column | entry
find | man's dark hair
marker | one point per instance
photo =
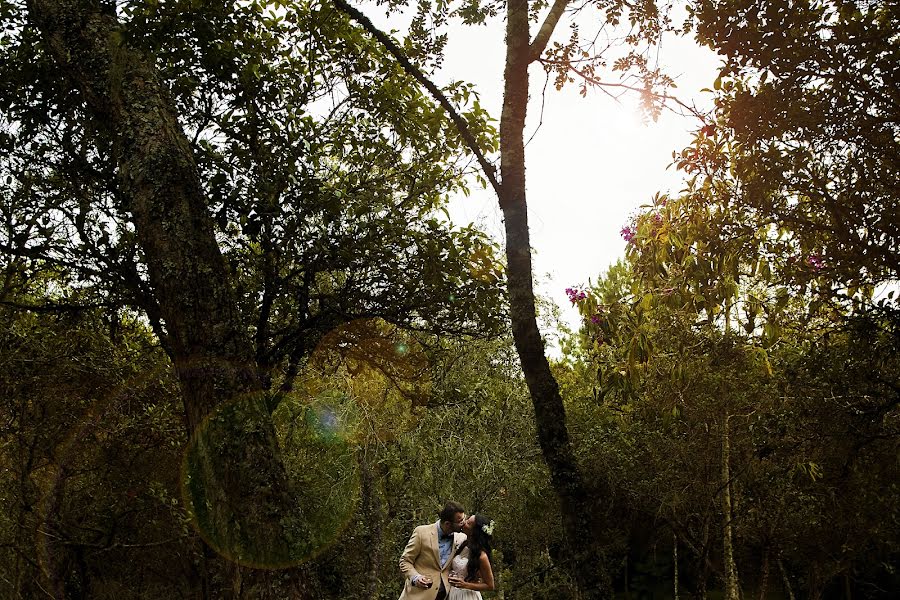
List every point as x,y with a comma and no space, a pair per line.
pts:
450,510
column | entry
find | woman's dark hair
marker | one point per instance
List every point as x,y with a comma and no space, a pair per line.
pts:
450,511
479,541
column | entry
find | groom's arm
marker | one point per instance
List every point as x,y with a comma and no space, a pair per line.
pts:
409,556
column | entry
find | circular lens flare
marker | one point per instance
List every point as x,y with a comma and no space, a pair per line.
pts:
380,367
269,491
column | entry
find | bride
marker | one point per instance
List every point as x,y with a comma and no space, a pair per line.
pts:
470,570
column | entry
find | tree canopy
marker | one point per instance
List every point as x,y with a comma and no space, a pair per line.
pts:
245,351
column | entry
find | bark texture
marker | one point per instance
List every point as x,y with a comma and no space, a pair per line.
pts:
578,505
238,485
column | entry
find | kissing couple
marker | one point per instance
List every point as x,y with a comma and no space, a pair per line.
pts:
449,559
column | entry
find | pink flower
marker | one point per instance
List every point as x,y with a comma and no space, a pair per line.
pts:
628,232
815,261
575,295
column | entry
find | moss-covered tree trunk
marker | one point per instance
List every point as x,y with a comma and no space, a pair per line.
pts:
238,484
581,519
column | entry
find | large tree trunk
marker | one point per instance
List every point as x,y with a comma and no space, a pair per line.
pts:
580,516
238,485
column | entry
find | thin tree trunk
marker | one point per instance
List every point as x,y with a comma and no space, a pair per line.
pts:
579,514
204,591
237,582
814,582
675,562
704,566
235,476
764,575
732,587
371,509
785,580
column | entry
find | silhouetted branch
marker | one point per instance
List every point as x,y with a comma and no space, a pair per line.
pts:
458,120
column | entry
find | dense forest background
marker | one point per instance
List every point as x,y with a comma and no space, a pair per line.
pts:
243,352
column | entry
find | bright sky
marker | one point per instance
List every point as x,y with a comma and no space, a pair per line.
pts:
592,163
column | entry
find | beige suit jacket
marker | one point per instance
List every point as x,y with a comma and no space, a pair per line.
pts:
422,557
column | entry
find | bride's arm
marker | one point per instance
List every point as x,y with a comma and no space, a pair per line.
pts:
487,574
487,577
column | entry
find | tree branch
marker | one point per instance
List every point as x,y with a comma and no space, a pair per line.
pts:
51,307
663,98
536,48
416,73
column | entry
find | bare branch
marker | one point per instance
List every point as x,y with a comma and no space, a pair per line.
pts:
543,105
536,48
605,85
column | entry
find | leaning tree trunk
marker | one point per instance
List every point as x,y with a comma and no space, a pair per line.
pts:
580,519
785,580
238,486
579,514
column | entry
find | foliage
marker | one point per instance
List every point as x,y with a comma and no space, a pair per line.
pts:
748,312
799,160
323,173
91,432
324,169
734,384
464,432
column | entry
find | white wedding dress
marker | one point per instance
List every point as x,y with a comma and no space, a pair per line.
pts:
459,568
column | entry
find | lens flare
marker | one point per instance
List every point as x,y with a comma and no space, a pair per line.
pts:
265,512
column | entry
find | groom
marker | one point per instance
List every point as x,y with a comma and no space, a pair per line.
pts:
425,563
